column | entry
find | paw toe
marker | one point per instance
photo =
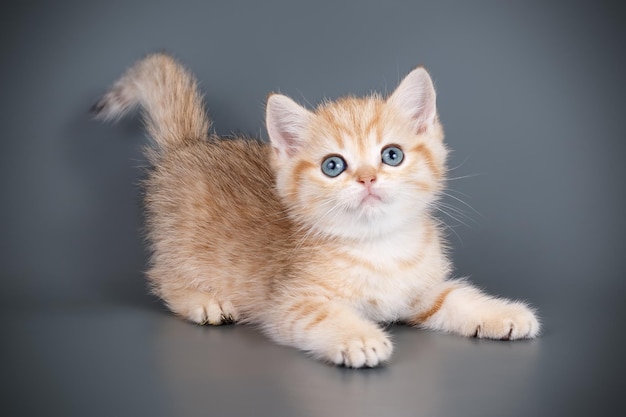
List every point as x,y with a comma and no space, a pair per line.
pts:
360,353
203,308
516,322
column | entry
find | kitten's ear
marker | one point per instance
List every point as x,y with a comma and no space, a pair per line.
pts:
415,97
286,122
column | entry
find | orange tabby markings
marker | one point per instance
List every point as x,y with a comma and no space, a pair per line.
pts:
428,157
404,264
353,260
374,126
423,185
256,232
319,317
298,171
373,302
434,309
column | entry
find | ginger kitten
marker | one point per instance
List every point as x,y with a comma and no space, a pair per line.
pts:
319,236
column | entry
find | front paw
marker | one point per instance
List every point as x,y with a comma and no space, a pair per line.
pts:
357,351
506,321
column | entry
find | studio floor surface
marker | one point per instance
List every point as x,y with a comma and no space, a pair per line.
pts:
100,359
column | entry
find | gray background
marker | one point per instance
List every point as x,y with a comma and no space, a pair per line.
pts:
531,96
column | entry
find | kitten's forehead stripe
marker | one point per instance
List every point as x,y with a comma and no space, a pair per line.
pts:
358,120
374,127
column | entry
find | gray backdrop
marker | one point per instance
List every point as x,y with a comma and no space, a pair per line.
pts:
531,97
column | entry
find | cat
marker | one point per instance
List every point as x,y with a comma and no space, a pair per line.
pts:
319,236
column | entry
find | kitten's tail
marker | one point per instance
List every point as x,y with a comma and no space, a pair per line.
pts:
173,110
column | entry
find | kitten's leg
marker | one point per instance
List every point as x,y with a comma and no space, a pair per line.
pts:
457,307
200,306
330,331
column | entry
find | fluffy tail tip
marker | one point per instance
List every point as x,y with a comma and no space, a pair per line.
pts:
97,109
115,103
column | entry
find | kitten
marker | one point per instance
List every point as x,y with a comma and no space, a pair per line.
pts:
317,237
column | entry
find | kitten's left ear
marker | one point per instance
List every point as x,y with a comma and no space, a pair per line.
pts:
286,123
415,97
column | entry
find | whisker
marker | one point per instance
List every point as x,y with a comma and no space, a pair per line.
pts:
452,216
461,164
458,212
458,192
466,176
462,202
448,227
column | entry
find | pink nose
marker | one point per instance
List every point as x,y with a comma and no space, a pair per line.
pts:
367,179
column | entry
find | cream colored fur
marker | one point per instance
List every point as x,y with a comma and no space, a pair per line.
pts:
245,231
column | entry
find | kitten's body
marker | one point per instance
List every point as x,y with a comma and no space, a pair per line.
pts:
247,231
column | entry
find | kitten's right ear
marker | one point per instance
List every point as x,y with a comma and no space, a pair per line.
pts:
286,122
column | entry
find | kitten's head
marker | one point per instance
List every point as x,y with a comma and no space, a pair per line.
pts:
359,167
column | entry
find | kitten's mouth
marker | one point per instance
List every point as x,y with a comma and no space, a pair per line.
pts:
370,199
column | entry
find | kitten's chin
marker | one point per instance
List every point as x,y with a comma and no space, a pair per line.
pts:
370,223
370,200
369,208
373,217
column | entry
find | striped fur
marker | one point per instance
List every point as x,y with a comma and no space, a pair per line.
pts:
246,231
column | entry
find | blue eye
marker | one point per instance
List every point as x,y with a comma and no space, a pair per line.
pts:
333,166
392,155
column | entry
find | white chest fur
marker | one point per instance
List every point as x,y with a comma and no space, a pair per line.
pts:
382,277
